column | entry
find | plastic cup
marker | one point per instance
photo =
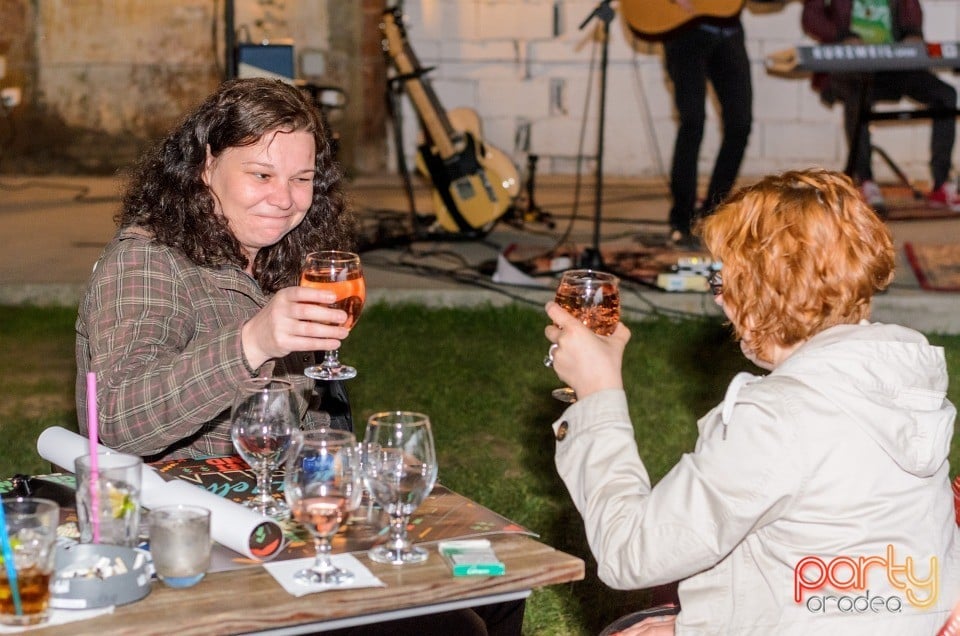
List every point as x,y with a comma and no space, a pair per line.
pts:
180,544
116,498
31,525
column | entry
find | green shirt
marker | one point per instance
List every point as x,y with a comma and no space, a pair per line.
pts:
871,21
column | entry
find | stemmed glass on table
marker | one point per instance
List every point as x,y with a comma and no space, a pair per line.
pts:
341,273
264,418
323,485
399,469
594,299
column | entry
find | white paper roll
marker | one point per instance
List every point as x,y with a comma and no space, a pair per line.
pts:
231,524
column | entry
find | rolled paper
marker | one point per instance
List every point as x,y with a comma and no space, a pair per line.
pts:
231,524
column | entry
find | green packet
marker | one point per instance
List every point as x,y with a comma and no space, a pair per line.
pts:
471,557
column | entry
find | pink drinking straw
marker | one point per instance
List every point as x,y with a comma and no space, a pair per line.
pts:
92,425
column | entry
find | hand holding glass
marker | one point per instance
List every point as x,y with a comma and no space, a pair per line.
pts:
323,485
264,418
399,468
341,273
594,299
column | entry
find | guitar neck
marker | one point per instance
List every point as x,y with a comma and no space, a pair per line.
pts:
433,118
425,101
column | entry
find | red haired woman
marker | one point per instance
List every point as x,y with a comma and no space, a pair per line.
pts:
818,498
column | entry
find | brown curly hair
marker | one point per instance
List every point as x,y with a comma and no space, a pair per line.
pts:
167,196
801,252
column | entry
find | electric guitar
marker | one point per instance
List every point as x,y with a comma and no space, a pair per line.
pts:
474,183
653,19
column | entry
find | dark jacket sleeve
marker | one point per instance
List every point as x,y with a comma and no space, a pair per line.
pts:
333,400
827,21
909,19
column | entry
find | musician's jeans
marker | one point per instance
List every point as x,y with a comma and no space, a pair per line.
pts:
694,57
921,86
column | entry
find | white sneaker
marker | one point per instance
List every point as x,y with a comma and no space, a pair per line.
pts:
871,193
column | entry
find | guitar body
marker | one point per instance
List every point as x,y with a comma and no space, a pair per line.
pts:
652,19
475,186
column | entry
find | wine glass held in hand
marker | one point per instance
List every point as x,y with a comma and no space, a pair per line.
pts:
594,299
323,485
399,469
264,418
341,273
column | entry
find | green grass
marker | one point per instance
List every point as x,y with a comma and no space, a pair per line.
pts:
478,374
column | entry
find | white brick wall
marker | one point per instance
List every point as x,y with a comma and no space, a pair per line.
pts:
503,58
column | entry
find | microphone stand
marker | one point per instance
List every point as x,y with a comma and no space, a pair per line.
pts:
604,12
229,41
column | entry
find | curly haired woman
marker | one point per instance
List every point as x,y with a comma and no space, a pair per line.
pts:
198,289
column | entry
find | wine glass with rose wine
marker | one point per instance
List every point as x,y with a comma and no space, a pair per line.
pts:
323,485
264,418
594,299
341,273
399,465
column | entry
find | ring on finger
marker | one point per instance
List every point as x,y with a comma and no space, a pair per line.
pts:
548,360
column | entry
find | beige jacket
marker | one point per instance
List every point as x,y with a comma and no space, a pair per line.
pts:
837,458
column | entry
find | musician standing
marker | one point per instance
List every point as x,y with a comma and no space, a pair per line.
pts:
707,49
883,22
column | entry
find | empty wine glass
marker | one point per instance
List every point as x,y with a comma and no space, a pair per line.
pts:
594,299
341,273
399,468
323,485
264,418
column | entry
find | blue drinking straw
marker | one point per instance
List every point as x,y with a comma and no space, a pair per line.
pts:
8,562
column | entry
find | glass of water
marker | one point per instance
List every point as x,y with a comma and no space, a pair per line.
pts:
180,544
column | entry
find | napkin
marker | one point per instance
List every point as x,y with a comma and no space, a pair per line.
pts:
60,617
283,572
231,524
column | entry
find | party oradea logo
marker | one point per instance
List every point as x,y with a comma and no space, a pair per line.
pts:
841,585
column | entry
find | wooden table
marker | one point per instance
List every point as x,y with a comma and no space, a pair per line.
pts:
249,600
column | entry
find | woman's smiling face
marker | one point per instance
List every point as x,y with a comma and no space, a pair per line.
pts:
265,189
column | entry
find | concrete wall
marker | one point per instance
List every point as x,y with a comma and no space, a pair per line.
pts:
525,66
101,78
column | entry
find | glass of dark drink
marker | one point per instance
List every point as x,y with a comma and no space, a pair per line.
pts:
341,273
594,299
28,546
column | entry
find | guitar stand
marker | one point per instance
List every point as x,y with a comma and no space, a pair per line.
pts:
529,211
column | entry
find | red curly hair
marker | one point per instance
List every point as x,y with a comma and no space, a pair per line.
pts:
801,252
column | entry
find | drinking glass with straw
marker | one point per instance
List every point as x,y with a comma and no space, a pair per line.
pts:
28,534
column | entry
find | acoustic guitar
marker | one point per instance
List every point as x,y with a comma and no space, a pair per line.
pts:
474,183
652,19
